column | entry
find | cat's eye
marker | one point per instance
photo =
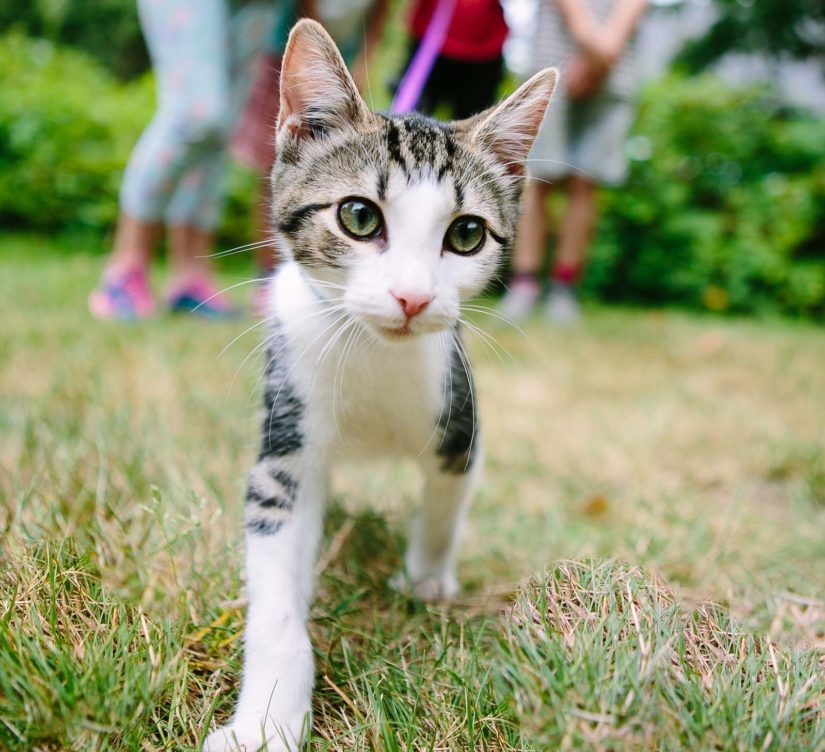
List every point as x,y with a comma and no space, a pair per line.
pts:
465,235
360,218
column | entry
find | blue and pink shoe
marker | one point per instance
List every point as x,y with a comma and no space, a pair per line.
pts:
126,296
202,298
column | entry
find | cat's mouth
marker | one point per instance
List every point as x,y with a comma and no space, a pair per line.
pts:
409,330
397,332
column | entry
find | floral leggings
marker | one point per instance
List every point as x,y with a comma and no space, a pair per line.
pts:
202,60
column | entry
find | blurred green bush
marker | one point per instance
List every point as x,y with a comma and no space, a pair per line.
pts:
65,135
725,205
108,30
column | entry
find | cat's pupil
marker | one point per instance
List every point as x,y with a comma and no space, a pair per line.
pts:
362,215
467,231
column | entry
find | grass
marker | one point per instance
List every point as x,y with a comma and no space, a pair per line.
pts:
644,568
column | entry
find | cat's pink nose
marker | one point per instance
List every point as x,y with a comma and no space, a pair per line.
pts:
412,302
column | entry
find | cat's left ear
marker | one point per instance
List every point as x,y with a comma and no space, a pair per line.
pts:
509,128
318,94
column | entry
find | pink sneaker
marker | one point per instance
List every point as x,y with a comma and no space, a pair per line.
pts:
125,296
202,298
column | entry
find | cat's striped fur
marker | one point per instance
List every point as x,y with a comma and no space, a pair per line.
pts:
387,223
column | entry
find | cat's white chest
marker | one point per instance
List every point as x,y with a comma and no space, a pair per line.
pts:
389,400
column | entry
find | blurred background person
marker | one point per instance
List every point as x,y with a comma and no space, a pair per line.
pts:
466,74
581,142
174,177
356,26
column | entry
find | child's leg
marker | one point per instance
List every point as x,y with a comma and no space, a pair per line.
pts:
546,164
135,240
531,241
528,253
575,237
188,43
193,211
189,250
577,228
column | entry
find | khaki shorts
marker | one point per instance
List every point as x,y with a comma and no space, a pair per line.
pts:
583,137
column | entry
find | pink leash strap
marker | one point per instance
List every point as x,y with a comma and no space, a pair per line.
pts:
415,78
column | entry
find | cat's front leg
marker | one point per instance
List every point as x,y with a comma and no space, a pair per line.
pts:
432,553
284,510
283,519
450,476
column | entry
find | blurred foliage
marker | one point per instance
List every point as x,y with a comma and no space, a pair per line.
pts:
65,135
108,30
725,205
772,27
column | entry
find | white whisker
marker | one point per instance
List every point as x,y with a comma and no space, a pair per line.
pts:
240,249
227,289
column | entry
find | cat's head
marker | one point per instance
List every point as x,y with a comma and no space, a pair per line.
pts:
398,218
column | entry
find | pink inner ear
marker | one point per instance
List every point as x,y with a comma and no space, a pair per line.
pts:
298,59
516,166
316,89
512,148
292,125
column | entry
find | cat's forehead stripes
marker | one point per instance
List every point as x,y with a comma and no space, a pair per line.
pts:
423,147
418,145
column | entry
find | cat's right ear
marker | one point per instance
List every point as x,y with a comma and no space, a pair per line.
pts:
318,94
509,128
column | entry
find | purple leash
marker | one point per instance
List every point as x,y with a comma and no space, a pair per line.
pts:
414,80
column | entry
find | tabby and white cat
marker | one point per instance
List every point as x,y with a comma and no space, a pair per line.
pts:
387,223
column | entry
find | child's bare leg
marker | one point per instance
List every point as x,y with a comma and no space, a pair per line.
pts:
571,254
528,253
578,224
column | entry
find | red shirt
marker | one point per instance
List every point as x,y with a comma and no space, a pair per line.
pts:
477,29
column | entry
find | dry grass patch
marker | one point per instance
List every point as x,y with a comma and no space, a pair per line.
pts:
603,655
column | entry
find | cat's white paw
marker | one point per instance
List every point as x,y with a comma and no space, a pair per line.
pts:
441,587
248,735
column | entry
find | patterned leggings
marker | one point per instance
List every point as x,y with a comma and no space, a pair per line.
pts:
202,59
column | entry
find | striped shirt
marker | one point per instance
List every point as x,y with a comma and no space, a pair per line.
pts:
553,45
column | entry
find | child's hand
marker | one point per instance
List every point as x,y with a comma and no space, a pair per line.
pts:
604,47
584,76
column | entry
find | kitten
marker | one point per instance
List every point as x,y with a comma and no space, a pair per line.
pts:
387,223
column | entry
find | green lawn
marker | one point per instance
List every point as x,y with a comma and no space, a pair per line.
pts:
644,567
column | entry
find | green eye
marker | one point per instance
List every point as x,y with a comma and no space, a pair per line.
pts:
360,218
465,235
